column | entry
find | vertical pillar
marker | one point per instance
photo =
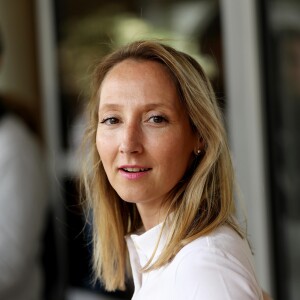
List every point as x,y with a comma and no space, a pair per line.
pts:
246,127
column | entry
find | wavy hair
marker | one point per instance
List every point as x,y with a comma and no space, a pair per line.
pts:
199,203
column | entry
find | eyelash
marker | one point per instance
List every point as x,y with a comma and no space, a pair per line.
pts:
157,119
106,121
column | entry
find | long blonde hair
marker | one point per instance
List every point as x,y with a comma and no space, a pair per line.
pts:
199,203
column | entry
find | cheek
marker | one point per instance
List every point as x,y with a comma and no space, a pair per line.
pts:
106,148
98,144
104,157
101,148
175,153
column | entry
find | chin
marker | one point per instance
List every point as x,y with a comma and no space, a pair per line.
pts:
131,196
130,199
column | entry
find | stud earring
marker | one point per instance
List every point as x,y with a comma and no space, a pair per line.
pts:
197,152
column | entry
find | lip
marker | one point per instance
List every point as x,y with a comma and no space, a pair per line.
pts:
134,175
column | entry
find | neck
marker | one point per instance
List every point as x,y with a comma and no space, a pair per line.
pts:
151,216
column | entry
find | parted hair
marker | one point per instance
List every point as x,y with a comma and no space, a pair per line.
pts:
199,203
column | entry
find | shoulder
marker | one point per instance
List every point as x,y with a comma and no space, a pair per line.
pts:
218,264
22,165
17,142
12,127
224,242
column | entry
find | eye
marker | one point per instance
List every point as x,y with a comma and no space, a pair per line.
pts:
157,119
110,121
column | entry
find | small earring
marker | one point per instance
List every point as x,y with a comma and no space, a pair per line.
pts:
198,152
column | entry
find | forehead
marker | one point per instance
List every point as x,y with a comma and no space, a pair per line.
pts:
135,67
138,79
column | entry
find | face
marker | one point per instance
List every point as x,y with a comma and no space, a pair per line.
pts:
144,137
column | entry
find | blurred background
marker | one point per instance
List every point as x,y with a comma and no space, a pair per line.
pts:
251,52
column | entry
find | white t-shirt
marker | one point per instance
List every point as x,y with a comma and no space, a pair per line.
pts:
23,202
215,267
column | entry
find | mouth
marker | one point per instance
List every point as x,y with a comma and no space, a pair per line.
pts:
135,170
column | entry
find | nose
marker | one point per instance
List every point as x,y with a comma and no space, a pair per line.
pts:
131,139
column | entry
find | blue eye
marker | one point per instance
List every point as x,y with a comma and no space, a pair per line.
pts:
110,121
157,119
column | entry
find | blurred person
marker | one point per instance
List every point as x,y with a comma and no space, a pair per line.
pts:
158,171
22,204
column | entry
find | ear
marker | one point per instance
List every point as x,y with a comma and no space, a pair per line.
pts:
199,146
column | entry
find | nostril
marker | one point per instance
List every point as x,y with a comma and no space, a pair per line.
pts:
132,147
127,150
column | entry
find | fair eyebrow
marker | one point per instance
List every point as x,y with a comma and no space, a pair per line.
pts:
149,106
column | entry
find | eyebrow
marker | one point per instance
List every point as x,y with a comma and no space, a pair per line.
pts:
112,106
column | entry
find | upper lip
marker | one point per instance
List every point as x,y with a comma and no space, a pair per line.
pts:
133,167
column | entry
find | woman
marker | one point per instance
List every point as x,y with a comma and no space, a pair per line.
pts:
158,171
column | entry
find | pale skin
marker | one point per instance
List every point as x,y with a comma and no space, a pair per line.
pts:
144,137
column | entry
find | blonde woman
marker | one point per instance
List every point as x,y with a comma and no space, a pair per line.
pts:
159,180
